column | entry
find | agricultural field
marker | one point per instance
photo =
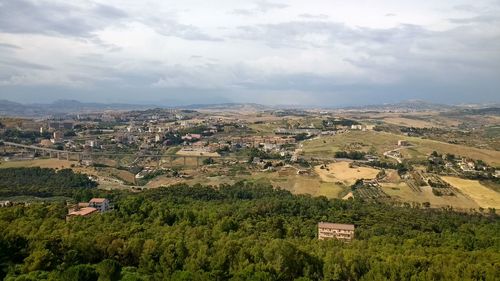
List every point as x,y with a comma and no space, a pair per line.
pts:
402,121
266,128
286,178
403,193
43,163
342,172
480,194
382,141
197,153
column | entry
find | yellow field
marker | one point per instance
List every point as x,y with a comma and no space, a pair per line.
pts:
482,195
314,187
402,192
341,172
409,122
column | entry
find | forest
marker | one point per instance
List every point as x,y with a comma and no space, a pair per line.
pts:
42,182
244,231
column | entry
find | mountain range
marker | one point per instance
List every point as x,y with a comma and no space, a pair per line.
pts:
9,108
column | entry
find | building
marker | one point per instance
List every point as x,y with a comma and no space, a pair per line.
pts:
158,138
81,212
344,232
191,137
58,125
58,136
92,143
356,127
403,143
101,204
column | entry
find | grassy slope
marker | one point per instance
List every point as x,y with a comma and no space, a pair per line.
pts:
382,141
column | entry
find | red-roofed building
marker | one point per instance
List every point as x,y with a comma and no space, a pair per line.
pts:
81,212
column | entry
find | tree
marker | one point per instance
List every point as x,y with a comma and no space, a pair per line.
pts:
208,161
81,272
109,270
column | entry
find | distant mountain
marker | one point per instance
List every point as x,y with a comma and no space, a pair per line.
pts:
229,107
474,111
8,108
409,105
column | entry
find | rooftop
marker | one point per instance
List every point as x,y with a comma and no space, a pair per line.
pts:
98,200
83,211
336,225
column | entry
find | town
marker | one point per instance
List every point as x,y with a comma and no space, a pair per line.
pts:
337,154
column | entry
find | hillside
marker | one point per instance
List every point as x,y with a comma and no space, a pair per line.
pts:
244,232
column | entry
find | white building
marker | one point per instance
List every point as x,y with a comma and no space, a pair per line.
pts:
101,204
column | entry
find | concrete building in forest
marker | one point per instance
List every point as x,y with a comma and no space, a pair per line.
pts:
101,204
344,232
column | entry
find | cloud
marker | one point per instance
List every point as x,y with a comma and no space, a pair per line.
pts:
83,21
170,27
280,51
9,46
317,17
476,19
15,63
260,7
49,18
303,34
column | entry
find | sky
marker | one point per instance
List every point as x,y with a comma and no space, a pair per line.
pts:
315,52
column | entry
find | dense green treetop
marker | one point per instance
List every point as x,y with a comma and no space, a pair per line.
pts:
245,232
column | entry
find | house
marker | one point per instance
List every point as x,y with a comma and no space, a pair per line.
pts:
356,127
403,143
371,158
91,143
344,232
58,136
81,212
191,137
101,204
158,138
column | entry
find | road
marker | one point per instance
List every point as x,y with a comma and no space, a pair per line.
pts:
387,153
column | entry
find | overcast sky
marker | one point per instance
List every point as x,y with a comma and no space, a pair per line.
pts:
271,52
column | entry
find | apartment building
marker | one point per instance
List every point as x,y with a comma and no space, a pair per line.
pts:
344,232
